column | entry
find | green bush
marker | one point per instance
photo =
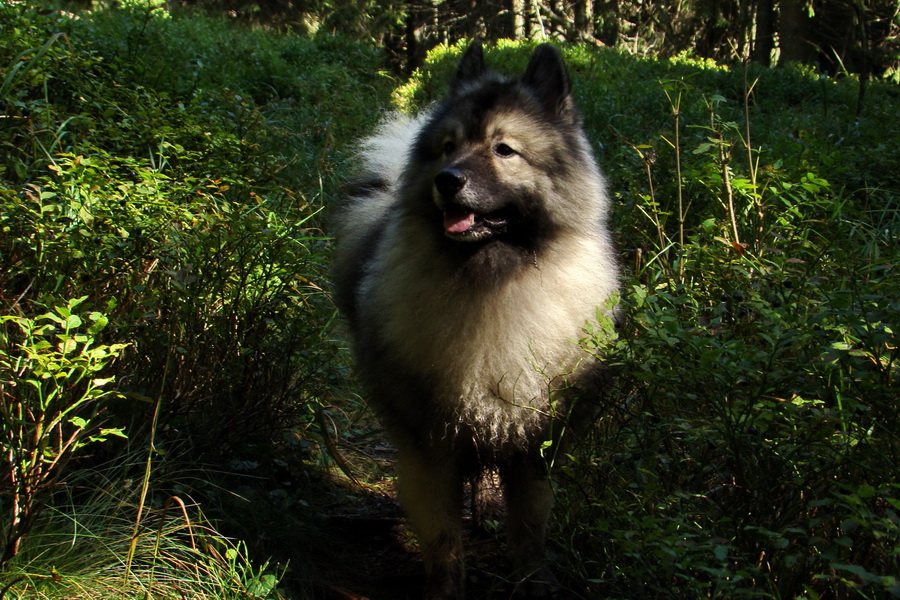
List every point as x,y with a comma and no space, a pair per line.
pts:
169,173
754,452
150,169
53,398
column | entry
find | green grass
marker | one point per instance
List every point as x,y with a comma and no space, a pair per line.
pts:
172,171
97,544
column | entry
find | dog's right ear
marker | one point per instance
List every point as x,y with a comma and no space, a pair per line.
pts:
471,66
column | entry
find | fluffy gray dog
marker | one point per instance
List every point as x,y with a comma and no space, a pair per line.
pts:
470,256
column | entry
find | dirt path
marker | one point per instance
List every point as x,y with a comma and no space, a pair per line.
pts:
363,549
379,561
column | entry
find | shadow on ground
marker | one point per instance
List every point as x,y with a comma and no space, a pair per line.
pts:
337,538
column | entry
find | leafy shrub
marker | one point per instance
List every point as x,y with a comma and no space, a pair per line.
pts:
150,170
180,195
306,90
52,403
759,371
751,435
198,282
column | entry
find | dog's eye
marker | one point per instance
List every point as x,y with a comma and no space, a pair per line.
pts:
503,150
448,147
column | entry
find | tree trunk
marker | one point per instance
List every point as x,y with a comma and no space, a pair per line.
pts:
795,31
765,33
518,17
584,19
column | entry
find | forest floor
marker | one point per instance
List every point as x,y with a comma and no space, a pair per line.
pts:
363,549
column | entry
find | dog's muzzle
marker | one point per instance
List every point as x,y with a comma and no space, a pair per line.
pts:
464,223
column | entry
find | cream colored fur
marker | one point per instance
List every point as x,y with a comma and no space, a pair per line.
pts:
495,357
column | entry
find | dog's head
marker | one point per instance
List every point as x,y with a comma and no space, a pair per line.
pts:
499,151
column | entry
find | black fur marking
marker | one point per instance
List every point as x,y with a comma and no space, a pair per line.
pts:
366,186
515,246
547,78
348,274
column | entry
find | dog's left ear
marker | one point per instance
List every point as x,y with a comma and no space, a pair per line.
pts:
547,78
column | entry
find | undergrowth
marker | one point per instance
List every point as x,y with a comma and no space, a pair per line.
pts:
91,547
749,447
161,186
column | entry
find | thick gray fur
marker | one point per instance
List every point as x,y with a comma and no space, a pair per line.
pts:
466,340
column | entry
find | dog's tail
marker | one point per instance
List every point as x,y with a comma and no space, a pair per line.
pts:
359,222
384,154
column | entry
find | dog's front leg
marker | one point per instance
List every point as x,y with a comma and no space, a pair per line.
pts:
430,490
529,501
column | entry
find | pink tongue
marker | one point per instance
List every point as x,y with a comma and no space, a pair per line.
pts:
458,223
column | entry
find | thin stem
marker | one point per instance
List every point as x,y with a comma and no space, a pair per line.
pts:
752,162
726,177
145,486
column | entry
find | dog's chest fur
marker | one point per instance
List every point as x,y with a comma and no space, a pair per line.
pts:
495,353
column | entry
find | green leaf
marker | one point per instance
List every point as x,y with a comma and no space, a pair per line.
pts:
721,552
857,570
865,491
99,322
52,317
116,431
85,215
263,585
68,345
72,303
105,433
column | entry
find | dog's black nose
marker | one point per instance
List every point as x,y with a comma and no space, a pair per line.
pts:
449,181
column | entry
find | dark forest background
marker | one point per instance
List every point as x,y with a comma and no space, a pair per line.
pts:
856,36
178,414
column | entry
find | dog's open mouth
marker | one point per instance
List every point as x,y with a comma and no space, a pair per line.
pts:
463,225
